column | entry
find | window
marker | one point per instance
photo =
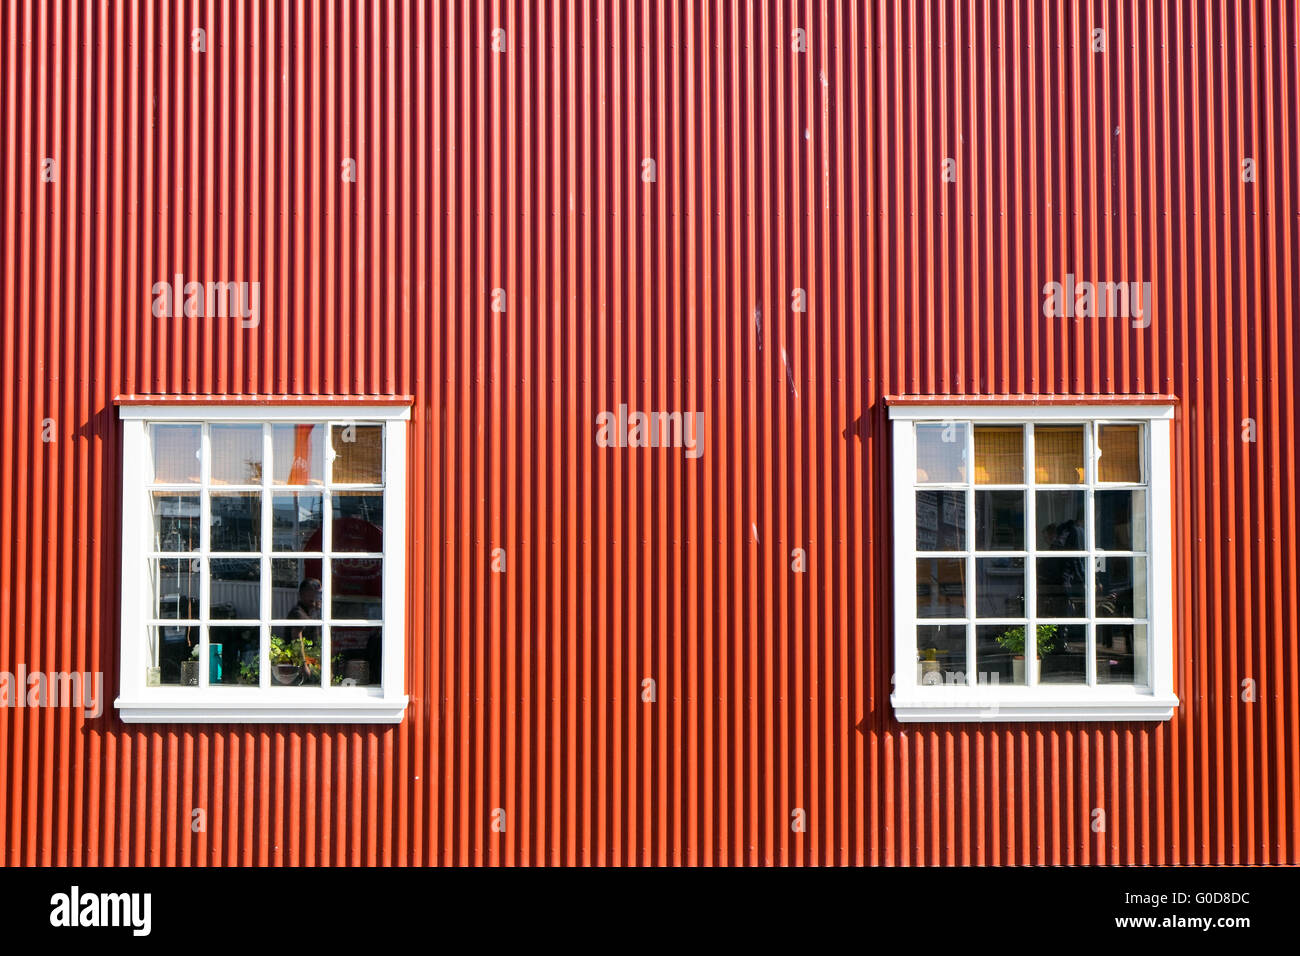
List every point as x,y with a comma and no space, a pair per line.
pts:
1032,562
263,563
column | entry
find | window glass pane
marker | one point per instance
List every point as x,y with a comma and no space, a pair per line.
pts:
1121,520
357,588
940,587
1120,447
358,521
999,455
358,454
295,655
1061,584
941,452
357,653
1121,587
1058,454
236,521
170,646
176,454
175,522
298,454
999,520
236,589
999,587
176,588
232,655
999,653
1122,654
236,454
296,521
940,520
941,654
1063,653
1059,516
296,588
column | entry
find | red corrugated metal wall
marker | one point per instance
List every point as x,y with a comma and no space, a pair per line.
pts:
523,170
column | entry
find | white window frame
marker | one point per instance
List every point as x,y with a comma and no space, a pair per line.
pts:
983,702
140,703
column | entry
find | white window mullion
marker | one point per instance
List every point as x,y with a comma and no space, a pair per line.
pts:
264,630
1091,452
326,561
205,540
969,544
1031,559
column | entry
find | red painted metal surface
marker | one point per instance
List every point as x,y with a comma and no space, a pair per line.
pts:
521,170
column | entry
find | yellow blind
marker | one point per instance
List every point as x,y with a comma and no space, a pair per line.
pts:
1058,454
999,455
1120,453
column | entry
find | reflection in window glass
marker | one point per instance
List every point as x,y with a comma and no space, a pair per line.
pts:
296,521
941,452
176,588
1121,586
358,522
940,587
1058,454
295,588
1000,587
1063,654
999,654
236,589
298,454
357,588
1121,520
999,455
1062,587
940,520
236,454
175,522
999,520
1060,517
176,454
1122,654
941,654
236,521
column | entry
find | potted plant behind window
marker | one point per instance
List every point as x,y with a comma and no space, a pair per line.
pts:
1012,640
930,672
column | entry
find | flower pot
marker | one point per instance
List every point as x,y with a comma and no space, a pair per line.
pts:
1018,669
189,673
285,674
358,672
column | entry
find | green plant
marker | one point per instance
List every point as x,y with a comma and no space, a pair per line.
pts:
1012,640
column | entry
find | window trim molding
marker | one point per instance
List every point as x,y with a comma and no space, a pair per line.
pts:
983,703
137,703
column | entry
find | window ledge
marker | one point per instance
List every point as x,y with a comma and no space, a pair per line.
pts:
372,710
979,708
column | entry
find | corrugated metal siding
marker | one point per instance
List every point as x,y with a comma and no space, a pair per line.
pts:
521,171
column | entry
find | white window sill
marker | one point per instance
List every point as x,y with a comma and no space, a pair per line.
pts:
171,709
977,705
